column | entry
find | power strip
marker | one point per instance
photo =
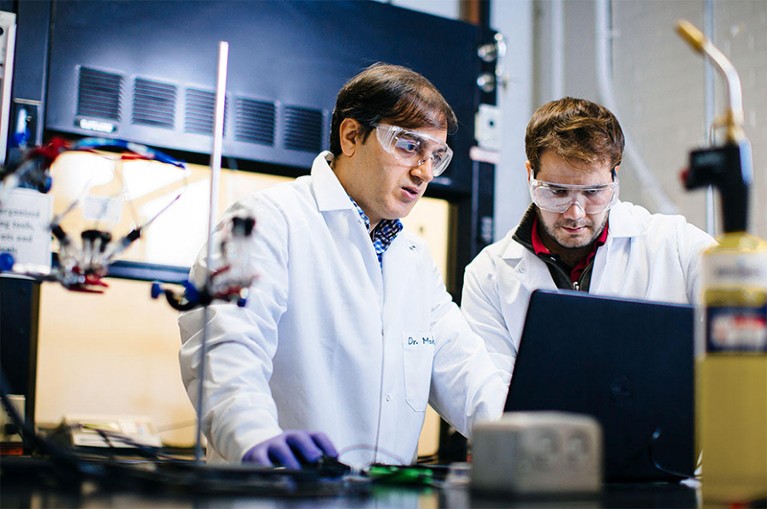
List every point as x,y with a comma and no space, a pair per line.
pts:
538,453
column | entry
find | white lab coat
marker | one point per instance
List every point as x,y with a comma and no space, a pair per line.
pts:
330,341
646,256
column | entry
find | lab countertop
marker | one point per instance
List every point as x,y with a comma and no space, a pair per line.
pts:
31,482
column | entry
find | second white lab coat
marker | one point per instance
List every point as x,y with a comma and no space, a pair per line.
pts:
330,341
646,256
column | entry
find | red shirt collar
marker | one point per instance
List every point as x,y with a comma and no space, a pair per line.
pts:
538,246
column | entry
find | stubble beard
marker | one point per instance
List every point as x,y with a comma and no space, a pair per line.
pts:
565,241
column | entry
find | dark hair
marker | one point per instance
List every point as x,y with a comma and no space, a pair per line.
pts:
577,130
392,94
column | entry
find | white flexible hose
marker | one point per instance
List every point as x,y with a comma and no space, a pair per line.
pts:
649,183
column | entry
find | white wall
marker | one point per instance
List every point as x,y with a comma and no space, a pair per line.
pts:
655,84
660,90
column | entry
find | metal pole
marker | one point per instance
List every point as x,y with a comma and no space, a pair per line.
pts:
709,100
215,175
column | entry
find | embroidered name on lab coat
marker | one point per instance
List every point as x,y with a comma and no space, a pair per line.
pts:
416,341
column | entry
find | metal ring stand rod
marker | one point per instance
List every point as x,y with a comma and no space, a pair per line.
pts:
215,175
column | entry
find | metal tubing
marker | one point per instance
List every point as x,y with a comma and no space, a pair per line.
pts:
215,174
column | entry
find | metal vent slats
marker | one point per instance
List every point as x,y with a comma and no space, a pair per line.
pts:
99,94
303,129
154,103
200,108
255,121
189,110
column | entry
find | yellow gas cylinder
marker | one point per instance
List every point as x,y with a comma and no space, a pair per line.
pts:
731,372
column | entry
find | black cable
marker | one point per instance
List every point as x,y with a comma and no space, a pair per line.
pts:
164,471
67,463
677,476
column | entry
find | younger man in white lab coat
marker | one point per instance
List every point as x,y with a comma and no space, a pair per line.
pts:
348,332
576,234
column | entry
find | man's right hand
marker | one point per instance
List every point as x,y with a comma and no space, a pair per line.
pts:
291,449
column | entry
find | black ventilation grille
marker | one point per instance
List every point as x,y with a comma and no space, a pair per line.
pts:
98,94
154,103
255,121
200,108
303,129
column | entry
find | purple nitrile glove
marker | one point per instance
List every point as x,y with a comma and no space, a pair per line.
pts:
290,449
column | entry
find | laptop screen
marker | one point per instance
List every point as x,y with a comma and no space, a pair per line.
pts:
628,363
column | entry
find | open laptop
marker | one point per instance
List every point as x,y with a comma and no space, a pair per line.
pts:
628,363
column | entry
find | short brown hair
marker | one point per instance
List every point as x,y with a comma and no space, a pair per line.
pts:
577,130
392,94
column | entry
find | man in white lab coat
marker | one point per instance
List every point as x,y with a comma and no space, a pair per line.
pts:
348,332
576,234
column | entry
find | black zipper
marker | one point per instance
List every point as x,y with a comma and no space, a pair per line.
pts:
572,285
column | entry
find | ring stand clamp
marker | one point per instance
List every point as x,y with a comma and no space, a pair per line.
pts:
82,264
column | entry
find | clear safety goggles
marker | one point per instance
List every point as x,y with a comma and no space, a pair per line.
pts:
413,148
560,197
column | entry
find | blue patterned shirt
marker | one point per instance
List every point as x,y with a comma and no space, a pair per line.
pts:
383,234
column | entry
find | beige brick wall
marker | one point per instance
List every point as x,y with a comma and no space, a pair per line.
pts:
660,85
